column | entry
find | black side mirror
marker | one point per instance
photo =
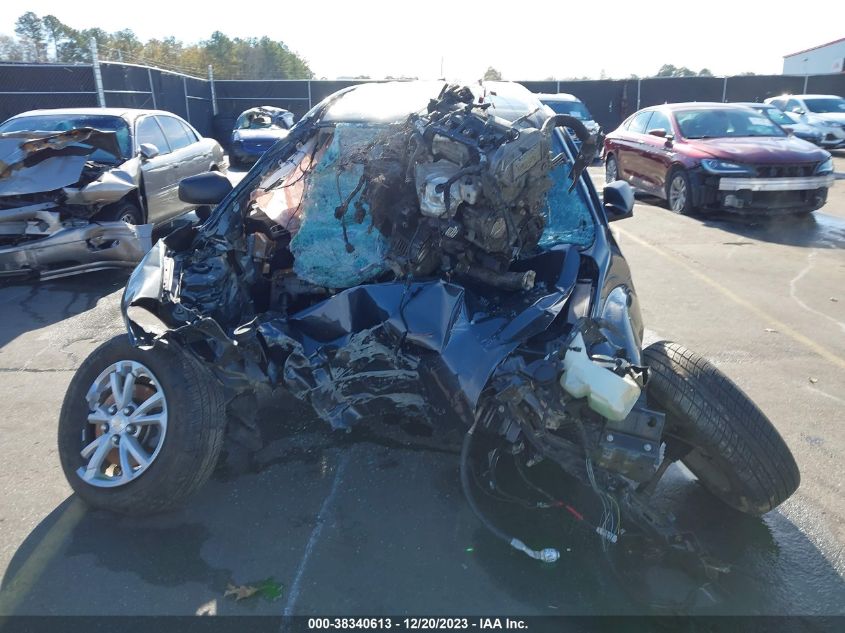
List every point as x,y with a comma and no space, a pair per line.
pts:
658,132
618,201
207,188
148,151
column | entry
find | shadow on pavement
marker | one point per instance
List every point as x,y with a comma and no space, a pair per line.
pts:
33,305
398,538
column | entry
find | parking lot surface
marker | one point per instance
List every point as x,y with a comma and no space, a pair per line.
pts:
374,522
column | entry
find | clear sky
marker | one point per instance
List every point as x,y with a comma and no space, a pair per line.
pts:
524,40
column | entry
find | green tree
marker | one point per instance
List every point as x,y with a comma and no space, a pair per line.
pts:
10,49
670,70
705,72
491,74
30,30
43,39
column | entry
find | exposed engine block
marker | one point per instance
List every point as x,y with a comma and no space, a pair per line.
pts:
458,190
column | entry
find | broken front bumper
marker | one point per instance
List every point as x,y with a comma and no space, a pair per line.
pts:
771,195
77,249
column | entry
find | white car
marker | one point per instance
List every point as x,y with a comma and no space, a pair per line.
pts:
825,112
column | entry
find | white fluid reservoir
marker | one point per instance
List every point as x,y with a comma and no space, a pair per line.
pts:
607,394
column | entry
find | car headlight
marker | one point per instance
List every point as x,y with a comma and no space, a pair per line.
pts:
825,167
715,166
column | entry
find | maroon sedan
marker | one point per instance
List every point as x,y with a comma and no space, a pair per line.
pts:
720,156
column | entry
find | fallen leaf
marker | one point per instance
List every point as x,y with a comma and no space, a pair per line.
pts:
834,299
267,588
240,592
813,380
270,589
770,330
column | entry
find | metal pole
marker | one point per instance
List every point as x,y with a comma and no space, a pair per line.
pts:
213,91
187,104
98,77
309,95
558,87
806,77
724,90
152,87
639,81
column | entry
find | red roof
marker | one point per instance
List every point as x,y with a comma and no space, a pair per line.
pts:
807,50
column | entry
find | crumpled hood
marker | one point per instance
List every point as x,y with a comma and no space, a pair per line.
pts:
258,135
32,162
765,149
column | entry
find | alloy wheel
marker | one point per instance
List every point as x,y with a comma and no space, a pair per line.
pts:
678,193
611,171
126,425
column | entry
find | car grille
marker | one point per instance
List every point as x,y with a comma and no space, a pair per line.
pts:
785,171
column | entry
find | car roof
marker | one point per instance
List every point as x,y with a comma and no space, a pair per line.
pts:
806,97
392,101
130,114
695,105
754,104
559,96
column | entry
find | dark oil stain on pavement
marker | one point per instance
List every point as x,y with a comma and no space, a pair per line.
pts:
160,554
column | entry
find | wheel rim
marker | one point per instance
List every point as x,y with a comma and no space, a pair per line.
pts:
610,170
678,193
126,425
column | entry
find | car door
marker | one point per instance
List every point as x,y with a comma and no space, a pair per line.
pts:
159,172
630,152
186,155
198,157
656,152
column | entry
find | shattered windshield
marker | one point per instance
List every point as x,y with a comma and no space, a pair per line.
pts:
258,121
63,122
340,235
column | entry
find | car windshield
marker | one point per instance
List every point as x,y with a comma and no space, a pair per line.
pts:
258,120
725,123
826,105
778,116
572,108
58,122
303,193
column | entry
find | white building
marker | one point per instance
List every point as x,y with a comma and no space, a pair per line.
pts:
819,60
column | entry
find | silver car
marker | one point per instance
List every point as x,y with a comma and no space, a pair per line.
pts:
824,112
81,189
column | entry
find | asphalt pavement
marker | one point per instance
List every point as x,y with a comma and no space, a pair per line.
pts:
374,522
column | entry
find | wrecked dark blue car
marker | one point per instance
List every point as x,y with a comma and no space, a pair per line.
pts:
426,252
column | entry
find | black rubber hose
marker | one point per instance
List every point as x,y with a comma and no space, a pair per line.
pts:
467,488
565,120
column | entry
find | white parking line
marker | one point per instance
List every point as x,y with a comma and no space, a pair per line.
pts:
322,518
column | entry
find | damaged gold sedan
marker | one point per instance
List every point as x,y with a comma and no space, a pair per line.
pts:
81,189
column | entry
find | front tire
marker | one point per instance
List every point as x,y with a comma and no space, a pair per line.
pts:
611,169
139,431
122,211
737,454
679,192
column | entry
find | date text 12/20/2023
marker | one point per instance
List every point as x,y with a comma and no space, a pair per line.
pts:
430,624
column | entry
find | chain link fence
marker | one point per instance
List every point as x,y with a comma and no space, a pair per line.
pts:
212,105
